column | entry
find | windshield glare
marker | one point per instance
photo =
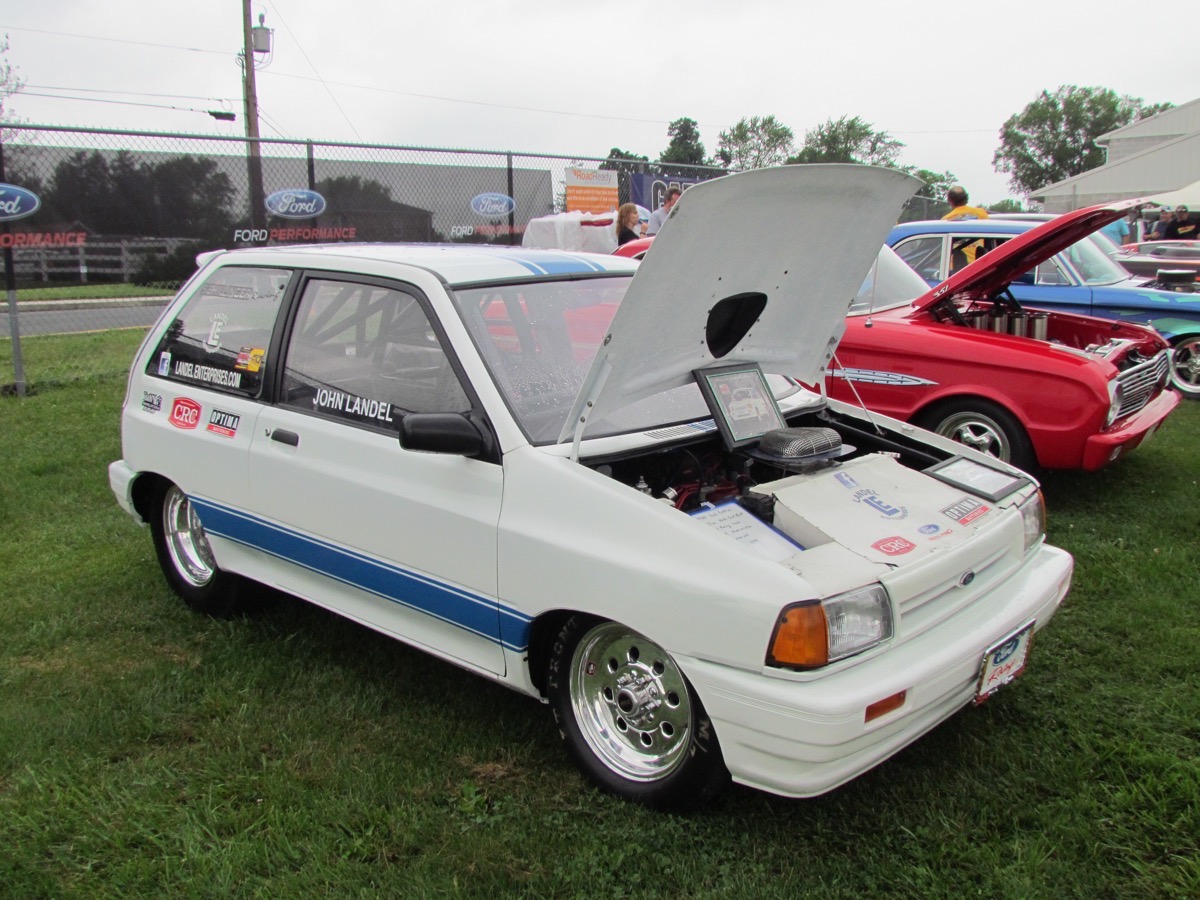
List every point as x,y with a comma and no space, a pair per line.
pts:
1092,262
538,340
890,283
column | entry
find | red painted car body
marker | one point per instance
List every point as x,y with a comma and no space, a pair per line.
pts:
1048,389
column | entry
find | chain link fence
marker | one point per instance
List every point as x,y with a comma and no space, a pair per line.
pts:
99,228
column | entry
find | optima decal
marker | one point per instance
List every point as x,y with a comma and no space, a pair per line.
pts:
966,510
295,203
185,413
223,423
17,203
208,374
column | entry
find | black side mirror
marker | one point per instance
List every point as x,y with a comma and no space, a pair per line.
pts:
455,434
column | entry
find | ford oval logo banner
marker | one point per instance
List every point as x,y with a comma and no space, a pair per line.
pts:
17,203
295,203
492,205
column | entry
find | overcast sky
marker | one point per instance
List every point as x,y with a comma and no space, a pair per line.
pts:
578,77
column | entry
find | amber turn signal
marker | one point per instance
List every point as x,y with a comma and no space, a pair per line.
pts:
801,637
886,705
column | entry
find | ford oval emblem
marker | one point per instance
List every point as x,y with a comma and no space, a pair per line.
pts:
295,203
17,203
492,205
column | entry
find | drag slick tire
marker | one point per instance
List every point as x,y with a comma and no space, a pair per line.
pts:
630,720
186,558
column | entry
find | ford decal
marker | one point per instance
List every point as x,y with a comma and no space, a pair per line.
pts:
492,205
17,203
295,203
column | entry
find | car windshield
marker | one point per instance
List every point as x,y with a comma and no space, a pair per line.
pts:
1092,258
890,283
538,339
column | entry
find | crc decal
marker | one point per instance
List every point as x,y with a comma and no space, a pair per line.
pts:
870,376
17,203
894,546
164,364
151,403
223,423
185,413
873,500
212,343
352,405
295,203
208,374
250,359
492,205
966,510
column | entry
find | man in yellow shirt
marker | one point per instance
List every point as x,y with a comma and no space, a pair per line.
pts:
957,198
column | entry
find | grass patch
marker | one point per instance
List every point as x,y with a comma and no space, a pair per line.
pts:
56,359
147,751
95,291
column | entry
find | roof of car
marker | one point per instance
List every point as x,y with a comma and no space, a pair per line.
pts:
970,226
455,264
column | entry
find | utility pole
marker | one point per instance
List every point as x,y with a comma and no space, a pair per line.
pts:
252,38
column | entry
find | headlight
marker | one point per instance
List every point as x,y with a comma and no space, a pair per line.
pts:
1033,516
816,633
1115,395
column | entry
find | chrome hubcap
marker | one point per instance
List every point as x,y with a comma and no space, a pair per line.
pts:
1185,366
630,702
977,432
186,541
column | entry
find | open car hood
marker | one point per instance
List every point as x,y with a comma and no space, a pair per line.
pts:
758,267
1002,266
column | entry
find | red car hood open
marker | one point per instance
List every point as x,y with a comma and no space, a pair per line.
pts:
999,268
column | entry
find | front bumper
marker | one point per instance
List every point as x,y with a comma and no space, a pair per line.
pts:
1107,446
120,478
800,735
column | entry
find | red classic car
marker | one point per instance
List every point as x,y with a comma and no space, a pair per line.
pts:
1037,389
965,359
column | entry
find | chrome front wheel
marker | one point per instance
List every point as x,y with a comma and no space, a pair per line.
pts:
1185,366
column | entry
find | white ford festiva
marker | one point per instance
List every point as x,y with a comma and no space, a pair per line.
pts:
600,484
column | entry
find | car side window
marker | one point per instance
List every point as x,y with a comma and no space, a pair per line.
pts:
219,339
366,354
924,256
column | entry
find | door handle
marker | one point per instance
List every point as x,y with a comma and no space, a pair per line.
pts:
286,437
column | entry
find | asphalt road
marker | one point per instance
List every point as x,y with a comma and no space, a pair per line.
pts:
73,318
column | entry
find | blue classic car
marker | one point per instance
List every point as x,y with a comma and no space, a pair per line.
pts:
1081,278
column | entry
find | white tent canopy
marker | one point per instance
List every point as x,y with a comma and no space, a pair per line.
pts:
1188,196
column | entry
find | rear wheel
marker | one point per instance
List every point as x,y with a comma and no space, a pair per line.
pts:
186,558
629,718
1185,366
984,426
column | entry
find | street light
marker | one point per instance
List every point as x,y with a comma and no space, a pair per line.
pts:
255,53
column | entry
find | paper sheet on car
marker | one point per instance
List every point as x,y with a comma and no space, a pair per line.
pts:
879,508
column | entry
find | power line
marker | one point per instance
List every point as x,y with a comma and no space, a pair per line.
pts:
56,87
96,37
116,102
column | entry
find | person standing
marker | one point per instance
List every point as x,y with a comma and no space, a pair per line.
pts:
1182,228
659,216
627,223
1158,229
1117,231
957,198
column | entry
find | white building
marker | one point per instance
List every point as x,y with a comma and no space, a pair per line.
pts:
1151,156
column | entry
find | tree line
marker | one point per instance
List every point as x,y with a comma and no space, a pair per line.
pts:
1051,139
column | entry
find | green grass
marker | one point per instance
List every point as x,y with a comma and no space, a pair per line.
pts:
56,359
146,751
95,291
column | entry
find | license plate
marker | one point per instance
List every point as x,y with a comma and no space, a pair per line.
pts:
1002,662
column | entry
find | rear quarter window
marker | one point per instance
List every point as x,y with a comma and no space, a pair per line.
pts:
220,338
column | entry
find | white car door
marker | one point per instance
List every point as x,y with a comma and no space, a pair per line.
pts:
402,541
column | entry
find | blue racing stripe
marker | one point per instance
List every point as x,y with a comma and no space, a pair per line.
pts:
550,263
478,614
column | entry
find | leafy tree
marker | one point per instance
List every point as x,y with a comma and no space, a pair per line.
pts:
10,84
1053,137
685,146
1007,205
848,140
368,206
624,164
755,143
